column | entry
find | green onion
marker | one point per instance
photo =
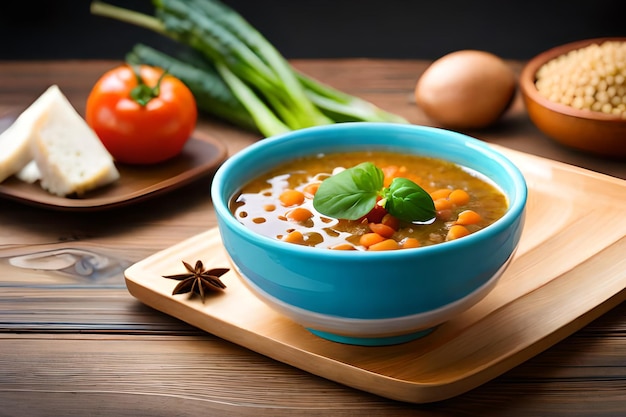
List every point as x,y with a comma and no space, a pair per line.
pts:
248,82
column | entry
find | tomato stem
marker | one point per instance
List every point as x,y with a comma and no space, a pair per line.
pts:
142,93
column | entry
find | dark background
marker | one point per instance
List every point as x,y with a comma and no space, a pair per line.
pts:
401,29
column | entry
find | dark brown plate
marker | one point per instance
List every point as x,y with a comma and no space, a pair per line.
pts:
201,155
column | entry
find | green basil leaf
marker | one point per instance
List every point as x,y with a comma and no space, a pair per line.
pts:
351,193
408,201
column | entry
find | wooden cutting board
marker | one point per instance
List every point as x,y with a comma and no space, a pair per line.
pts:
569,269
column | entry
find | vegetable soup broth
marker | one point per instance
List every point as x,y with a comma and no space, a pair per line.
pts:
258,205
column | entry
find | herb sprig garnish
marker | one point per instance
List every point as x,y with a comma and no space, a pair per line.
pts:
198,280
353,193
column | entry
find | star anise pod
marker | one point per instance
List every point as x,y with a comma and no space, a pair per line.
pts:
198,280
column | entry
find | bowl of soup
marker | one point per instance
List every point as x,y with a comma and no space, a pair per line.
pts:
435,223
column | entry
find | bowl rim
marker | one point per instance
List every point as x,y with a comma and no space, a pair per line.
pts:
527,80
515,210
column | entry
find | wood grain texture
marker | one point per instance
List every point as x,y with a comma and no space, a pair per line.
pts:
73,344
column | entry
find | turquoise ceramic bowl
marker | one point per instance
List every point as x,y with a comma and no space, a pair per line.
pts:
371,298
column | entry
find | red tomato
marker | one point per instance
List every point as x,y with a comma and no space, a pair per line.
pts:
375,215
137,133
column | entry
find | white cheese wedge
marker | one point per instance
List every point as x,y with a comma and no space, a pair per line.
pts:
30,173
69,155
15,149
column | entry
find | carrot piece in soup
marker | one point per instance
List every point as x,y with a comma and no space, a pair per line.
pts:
382,229
299,214
440,193
387,244
369,239
468,217
294,237
457,231
442,204
310,189
459,197
290,198
410,243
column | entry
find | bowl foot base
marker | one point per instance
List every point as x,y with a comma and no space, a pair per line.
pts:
371,341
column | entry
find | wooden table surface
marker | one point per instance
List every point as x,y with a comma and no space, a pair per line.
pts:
72,345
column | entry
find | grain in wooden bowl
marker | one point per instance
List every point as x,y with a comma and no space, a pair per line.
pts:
576,94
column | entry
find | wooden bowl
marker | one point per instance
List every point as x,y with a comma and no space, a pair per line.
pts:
585,130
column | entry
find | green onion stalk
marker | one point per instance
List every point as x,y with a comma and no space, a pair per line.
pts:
235,73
